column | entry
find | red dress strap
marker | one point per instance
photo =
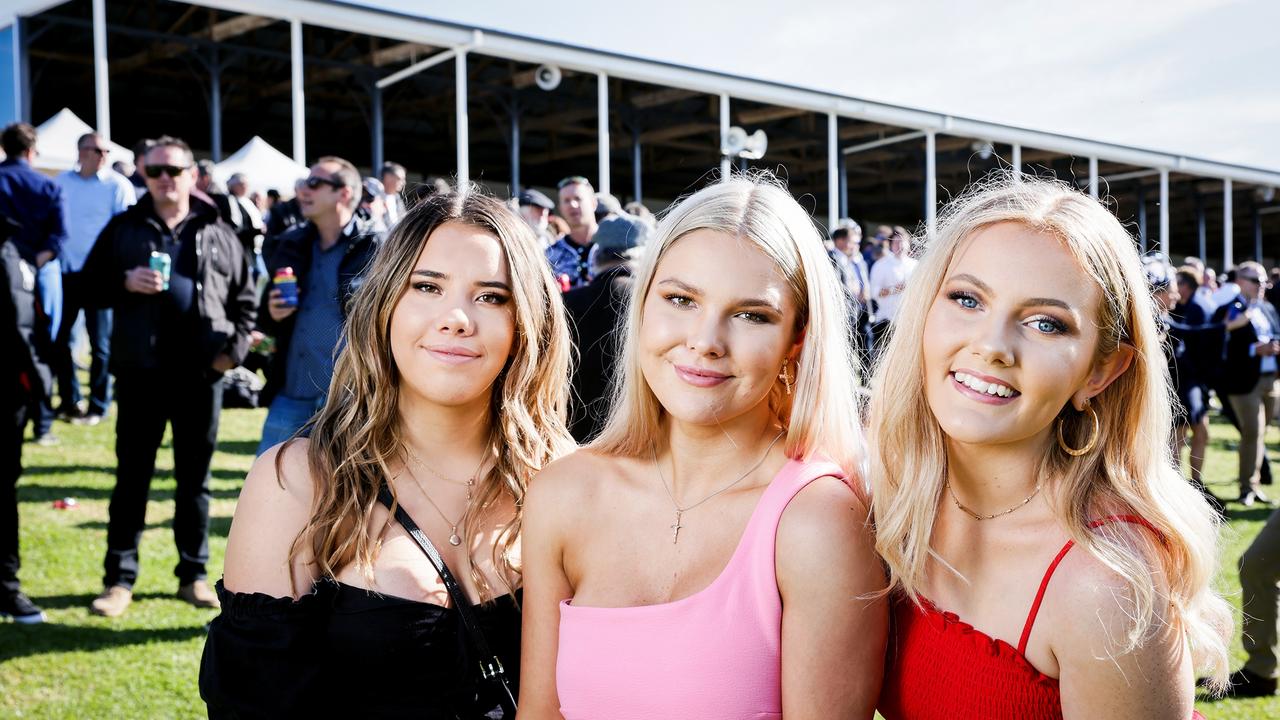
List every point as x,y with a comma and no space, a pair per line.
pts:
1044,583
1035,606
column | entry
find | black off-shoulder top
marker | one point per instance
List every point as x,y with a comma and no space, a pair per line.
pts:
343,649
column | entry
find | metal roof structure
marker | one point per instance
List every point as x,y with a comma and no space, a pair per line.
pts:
371,83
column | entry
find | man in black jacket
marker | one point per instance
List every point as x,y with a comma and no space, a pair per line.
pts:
327,254
171,343
1249,373
595,312
23,382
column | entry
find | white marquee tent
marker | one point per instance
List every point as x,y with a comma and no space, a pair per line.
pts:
56,143
264,166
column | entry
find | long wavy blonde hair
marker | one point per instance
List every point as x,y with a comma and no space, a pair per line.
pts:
358,432
822,414
1131,471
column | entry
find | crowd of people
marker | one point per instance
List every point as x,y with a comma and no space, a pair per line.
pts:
719,465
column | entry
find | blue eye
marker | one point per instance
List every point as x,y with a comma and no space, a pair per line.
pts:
964,300
1048,325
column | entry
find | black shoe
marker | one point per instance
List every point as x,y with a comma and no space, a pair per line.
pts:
1244,684
1253,496
19,607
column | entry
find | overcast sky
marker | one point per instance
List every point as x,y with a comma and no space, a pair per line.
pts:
1193,77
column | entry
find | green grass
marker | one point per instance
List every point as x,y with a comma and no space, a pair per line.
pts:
144,664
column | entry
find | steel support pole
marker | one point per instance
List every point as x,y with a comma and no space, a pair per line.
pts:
463,172
215,106
726,166
637,171
844,187
930,182
101,90
22,68
1202,236
602,129
1017,162
376,128
1164,212
833,172
1093,177
1257,235
1142,219
516,187
299,100
1228,249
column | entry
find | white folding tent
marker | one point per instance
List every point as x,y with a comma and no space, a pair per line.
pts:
263,165
56,143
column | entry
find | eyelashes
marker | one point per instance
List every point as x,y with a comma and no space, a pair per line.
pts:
1043,324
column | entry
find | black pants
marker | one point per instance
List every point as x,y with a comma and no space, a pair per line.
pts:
97,321
12,423
145,402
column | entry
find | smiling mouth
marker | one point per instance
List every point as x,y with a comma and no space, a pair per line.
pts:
452,356
984,387
700,377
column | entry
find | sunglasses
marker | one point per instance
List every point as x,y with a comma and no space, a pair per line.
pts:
95,150
316,181
572,180
173,171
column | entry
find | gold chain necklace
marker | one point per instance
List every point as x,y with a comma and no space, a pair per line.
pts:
680,511
454,539
470,482
980,516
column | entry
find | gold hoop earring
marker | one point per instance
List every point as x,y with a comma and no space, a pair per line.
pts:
1093,439
785,377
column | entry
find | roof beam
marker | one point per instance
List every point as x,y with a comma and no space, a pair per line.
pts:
217,32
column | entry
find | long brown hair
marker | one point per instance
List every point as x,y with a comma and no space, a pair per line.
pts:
358,432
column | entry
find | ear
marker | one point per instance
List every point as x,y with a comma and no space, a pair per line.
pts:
794,353
1105,372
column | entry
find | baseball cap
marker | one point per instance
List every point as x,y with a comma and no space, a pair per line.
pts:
620,234
533,197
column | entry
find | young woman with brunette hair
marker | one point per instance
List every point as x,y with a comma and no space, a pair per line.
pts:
448,396
708,555
1046,558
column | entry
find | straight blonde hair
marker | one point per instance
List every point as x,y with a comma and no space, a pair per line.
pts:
1130,472
822,414
357,432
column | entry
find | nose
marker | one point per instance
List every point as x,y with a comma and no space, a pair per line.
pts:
455,321
994,343
706,337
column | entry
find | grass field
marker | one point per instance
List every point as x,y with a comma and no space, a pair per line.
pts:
144,664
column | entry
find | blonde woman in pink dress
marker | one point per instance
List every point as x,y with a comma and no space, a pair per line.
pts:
709,555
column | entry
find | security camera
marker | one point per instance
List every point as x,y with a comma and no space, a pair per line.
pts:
547,77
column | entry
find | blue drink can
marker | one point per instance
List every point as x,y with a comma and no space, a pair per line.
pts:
163,264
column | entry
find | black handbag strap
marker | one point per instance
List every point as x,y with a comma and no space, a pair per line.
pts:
490,666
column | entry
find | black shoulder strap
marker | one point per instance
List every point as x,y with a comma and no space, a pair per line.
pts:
490,666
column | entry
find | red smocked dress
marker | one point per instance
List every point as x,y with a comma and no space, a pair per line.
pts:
942,668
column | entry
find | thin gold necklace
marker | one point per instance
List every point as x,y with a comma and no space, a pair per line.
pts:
454,539
680,511
470,482
980,516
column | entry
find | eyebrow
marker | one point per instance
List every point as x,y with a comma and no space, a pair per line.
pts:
745,303
437,275
1029,302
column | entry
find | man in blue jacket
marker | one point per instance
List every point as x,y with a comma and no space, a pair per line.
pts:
34,202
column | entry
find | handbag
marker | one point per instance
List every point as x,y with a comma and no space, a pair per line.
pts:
491,670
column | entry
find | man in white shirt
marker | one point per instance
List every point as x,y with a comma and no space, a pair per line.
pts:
393,182
888,281
93,193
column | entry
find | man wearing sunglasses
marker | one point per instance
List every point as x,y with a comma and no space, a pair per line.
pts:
93,194
1250,371
170,344
327,254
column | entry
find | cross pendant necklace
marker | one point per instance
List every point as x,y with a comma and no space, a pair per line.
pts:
680,511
